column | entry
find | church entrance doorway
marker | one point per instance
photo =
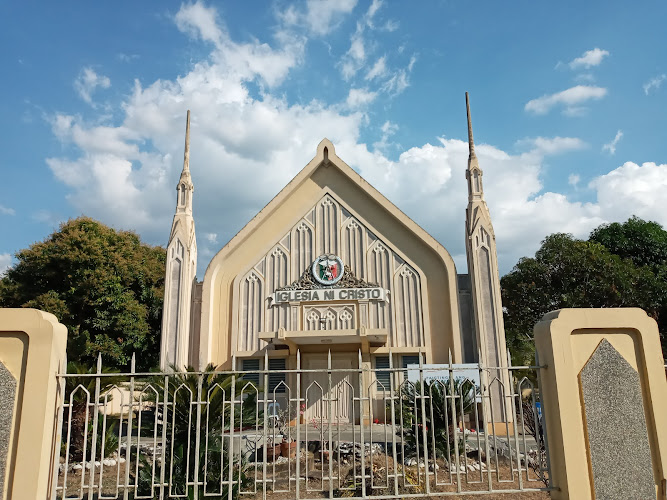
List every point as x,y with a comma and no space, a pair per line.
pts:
315,388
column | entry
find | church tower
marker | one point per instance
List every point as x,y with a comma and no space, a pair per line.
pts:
181,268
483,268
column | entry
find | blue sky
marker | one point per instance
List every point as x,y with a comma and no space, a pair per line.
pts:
568,105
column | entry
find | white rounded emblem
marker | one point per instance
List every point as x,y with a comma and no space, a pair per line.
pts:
328,269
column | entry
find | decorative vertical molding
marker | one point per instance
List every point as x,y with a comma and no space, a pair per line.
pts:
327,226
352,246
407,307
277,275
252,298
379,271
303,249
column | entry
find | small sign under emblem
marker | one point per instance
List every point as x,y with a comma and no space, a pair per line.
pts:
328,269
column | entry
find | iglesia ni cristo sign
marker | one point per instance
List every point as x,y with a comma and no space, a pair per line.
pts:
328,279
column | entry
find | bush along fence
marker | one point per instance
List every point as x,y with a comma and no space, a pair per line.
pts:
416,431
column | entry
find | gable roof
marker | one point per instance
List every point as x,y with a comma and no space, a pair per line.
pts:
326,157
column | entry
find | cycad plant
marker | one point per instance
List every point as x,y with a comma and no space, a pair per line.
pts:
440,422
214,425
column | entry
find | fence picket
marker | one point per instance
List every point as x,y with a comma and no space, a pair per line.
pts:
228,425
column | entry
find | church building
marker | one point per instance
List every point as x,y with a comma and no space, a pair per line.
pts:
331,265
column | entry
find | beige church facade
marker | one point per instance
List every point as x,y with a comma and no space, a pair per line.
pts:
331,265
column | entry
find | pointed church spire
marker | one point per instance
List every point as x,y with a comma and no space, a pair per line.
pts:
474,173
185,187
471,142
186,153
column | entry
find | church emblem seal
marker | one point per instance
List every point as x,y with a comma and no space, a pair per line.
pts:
328,269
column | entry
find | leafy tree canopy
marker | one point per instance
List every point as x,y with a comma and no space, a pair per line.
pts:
643,242
620,265
105,285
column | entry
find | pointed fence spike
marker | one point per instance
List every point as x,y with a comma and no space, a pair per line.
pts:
99,362
134,362
391,360
298,360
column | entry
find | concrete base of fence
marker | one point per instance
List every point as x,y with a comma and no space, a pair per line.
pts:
604,397
32,352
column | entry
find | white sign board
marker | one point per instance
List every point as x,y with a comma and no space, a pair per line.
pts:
468,371
328,294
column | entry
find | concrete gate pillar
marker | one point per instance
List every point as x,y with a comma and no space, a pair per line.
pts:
32,353
604,397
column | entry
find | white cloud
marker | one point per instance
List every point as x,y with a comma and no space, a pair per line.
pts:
359,98
611,146
379,69
400,80
632,189
199,21
47,217
121,56
244,149
6,210
585,78
544,146
570,98
5,262
88,81
388,129
573,180
589,58
654,83
360,47
375,6
243,61
320,17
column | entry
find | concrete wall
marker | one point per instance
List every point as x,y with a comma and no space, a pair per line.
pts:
32,352
604,397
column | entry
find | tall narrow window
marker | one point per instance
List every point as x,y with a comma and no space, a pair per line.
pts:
382,373
276,375
182,194
251,365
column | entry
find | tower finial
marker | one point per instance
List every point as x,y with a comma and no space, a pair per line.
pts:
471,142
186,154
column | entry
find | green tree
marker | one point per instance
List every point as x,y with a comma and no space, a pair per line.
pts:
643,242
105,285
567,272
